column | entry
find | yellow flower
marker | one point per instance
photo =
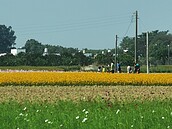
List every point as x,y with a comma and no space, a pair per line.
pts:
82,78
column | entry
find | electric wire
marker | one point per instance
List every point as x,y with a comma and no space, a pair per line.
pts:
128,27
91,23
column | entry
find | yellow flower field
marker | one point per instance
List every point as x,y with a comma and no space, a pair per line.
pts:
82,78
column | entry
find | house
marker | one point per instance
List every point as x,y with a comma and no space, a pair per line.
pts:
16,51
3,54
88,54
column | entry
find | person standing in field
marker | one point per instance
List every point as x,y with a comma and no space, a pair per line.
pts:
136,68
112,67
103,69
108,68
99,69
119,67
129,69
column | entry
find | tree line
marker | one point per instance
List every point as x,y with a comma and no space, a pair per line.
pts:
160,44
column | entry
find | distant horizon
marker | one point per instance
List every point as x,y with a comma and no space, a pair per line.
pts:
91,48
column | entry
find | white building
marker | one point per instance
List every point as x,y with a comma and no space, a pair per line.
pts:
45,51
88,54
17,51
3,54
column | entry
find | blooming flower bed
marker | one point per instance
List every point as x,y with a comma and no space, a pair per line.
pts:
82,78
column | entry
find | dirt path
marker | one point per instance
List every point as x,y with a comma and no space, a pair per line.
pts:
87,93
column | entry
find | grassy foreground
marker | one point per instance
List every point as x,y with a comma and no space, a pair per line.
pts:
86,115
78,107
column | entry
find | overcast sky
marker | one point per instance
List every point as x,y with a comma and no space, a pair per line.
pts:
90,24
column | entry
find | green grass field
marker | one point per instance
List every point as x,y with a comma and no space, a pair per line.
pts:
86,107
45,68
86,115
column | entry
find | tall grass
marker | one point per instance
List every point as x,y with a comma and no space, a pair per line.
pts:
86,115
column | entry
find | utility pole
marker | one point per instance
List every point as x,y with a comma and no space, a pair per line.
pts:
136,56
116,42
147,52
168,54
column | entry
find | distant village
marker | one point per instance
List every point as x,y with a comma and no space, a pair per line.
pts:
16,51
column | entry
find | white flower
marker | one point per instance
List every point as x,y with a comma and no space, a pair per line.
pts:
163,117
171,113
153,111
168,127
24,108
37,110
84,120
117,111
49,122
26,119
83,110
46,120
142,117
61,125
132,126
77,117
21,114
86,112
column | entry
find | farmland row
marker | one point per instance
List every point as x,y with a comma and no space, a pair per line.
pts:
53,94
82,78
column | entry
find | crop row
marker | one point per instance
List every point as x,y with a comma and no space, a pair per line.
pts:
82,78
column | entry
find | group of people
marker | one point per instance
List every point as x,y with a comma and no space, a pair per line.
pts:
111,68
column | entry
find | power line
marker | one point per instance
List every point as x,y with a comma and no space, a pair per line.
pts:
95,23
86,23
77,21
141,25
73,28
128,27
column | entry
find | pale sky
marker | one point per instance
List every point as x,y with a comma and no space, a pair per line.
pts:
80,24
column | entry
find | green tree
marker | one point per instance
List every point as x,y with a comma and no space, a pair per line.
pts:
8,60
80,59
104,59
66,58
7,38
158,51
53,60
159,40
128,45
34,47
125,59
21,59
